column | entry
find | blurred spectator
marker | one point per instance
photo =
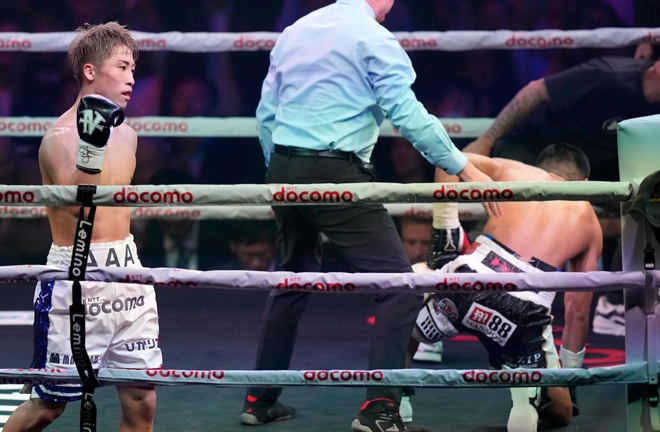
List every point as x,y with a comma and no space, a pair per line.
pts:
22,241
492,92
10,72
291,10
397,161
150,71
252,244
252,65
219,64
153,155
66,95
494,15
599,14
415,234
191,96
94,11
171,242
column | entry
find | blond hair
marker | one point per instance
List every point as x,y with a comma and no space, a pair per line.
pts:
96,43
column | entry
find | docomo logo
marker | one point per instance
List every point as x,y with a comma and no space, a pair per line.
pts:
116,305
651,38
24,126
17,197
158,126
13,44
245,42
453,193
337,376
290,195
538,41
157,44
23,211
38,381
132,196
418,43
503,377
419,213
453,128
294,284
168,213
137,279
454,285
211,375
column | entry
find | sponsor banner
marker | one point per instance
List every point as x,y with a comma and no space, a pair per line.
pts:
413,41
337,282
622,374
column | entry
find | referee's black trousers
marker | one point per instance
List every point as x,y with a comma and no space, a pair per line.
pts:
367,237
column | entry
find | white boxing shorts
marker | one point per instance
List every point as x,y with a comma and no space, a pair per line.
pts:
121,319
515,327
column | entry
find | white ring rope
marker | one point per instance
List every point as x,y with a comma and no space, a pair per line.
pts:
621,374
346,283
236,127
411,41
321,193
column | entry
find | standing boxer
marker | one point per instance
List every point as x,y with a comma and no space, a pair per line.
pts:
89,144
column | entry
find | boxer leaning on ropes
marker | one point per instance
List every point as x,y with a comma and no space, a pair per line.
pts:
529,237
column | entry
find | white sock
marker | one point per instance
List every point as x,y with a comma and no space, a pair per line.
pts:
523,416
571,360
445,215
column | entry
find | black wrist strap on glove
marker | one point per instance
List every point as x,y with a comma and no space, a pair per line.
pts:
446,245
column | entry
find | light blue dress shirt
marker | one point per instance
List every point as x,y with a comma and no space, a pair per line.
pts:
334,76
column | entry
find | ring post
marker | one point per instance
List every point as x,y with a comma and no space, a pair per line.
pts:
639,156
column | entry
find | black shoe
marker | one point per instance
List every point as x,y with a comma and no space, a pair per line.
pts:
256,413
378,415
573,391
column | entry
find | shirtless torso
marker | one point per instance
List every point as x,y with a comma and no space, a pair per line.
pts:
555,232
57,161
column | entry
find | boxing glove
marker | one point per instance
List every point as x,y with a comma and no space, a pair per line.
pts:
96,116
446,245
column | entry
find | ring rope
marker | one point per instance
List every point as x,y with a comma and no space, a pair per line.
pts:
349,283
321,193
235,127
410,41
521,377
625,374
466,212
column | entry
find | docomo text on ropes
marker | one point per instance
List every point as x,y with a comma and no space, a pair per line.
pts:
440,41
627,373
344,282
326,193
158,126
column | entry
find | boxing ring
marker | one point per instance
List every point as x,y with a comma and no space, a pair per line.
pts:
638,158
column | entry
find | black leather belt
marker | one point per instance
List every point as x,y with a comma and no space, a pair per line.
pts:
297,151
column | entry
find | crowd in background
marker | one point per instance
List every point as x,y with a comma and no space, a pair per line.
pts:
469,84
